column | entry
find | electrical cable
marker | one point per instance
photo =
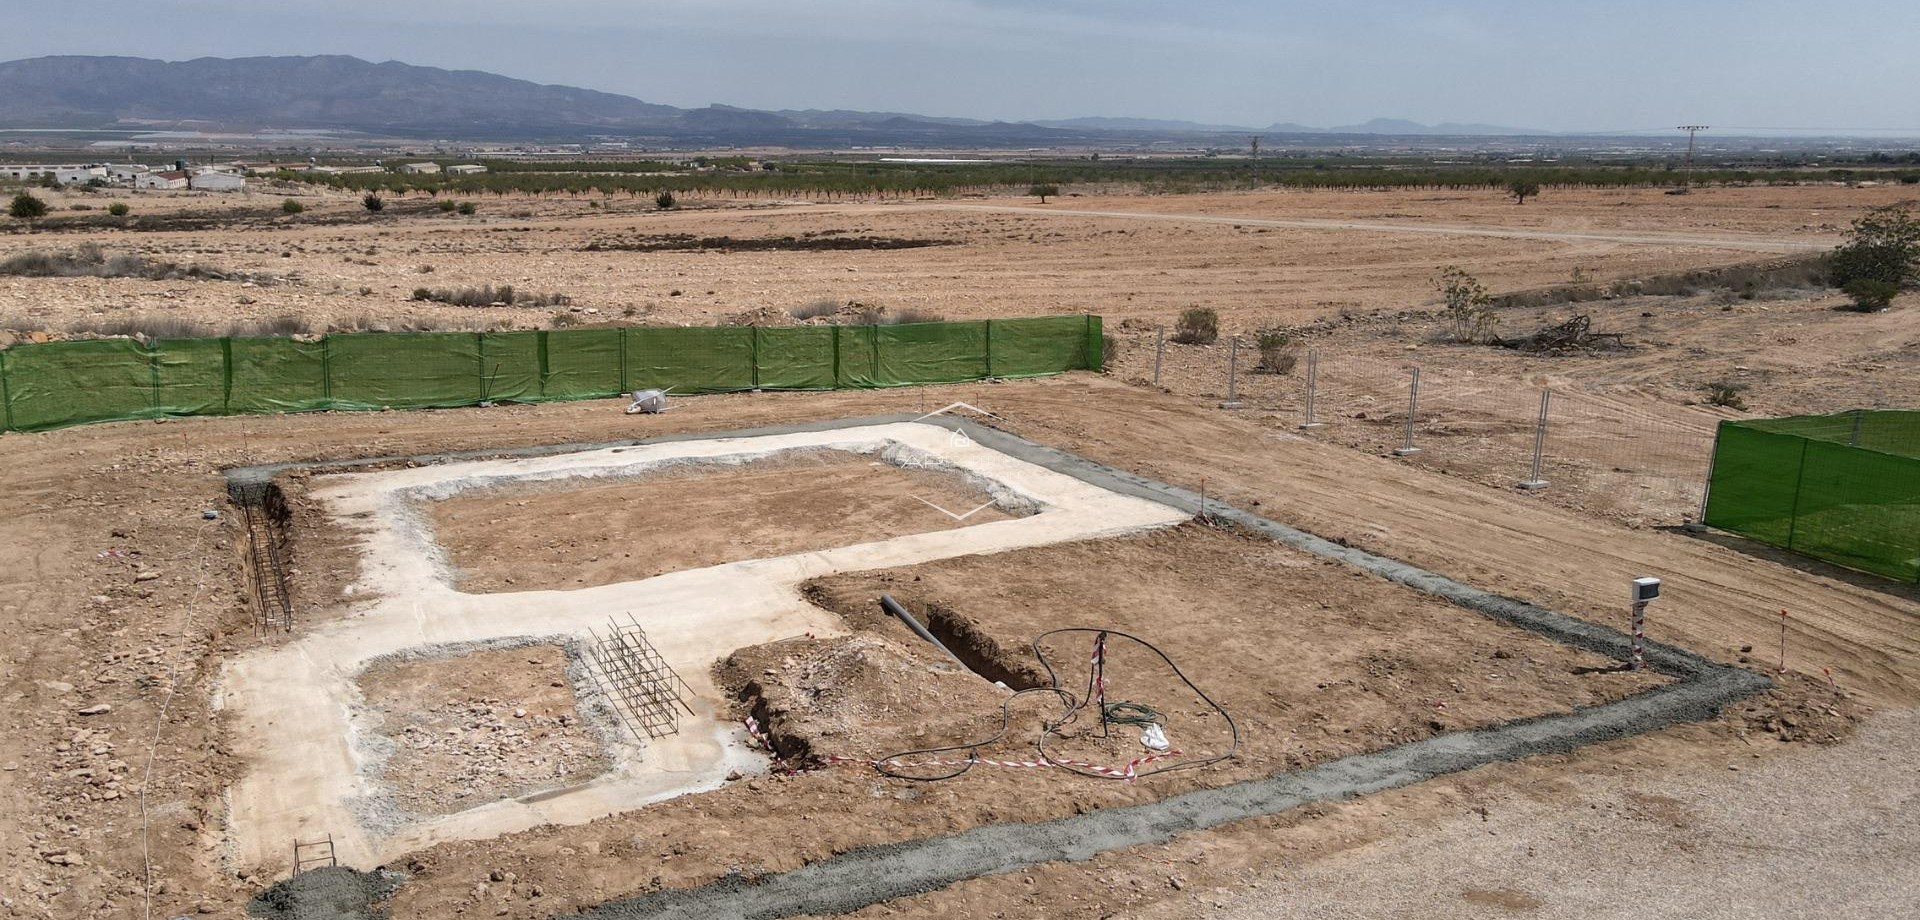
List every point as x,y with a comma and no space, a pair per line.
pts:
1121,711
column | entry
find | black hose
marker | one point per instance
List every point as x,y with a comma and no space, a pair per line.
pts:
892,606
1072,706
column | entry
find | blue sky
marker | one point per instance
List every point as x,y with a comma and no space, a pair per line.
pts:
1599,64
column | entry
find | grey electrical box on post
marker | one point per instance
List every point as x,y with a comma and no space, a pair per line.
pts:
1645,589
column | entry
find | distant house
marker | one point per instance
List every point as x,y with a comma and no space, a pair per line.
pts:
344,170
466,169
62,174
420,169
125,172
216,181
175,178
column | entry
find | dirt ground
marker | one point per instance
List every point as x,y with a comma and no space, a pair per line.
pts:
589,533
1312,659
116,592
470,728
71,492
344,267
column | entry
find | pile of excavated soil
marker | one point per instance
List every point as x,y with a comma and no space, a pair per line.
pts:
474,728
596,532
856,693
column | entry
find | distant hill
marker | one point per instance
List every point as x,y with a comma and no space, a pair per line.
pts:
330,91
344,93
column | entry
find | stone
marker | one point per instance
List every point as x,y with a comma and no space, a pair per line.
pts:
97,709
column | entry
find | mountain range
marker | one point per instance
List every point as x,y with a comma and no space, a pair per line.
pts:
338,92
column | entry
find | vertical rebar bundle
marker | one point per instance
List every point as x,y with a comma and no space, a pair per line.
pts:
644,691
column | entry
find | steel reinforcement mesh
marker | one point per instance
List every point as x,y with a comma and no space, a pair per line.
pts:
58,384
1844,488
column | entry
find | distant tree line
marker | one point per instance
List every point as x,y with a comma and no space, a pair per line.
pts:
830,179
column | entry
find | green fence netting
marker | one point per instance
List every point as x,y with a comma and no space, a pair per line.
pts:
1844,488
70,383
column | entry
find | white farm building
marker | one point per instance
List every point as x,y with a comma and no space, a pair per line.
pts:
217,182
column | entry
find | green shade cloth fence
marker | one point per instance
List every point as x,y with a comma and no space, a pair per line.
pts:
1844,488
71,383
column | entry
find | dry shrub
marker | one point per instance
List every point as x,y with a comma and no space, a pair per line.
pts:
1197,326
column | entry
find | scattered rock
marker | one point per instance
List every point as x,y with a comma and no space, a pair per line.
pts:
97,709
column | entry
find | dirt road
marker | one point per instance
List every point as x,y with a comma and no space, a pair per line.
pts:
1717,241
1708,843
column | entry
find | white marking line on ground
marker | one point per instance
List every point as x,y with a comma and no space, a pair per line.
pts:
291,705
1745,244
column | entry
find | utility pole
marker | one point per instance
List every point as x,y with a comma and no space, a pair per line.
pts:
1691,131
1255,139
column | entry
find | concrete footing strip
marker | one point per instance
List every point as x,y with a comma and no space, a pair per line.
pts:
853,880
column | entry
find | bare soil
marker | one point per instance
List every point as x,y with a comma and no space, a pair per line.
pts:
579,534
359,270
471,728
1312,659
115,591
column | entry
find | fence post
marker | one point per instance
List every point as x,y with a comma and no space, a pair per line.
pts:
1313,383
754,348
1539,443
1413,407
1699,523
990,345
1159,351
1233,374
326,370
6,395
1799,483
546,370
226,375
836,356
623,357
153,376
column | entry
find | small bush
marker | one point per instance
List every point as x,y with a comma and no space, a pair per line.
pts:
1278,354
1871,296
89,261
27,207
1044,191
291,206
465,207
284,324
1883,245
149,328
489,295
815,309
1197,326
914,315
562,318
665,201
1727,394
119,209
372,202
445,205
1470,315
1109,350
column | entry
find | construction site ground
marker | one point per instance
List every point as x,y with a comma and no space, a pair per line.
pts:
584,533
92,630
120,601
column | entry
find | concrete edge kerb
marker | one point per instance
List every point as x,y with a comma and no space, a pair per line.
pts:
855,879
